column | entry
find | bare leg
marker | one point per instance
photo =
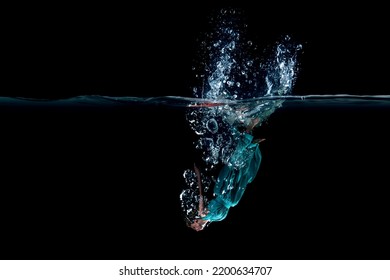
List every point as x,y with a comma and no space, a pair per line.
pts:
199,223
207,104
201,201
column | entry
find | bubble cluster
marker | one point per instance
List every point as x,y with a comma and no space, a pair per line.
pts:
216,133
227,70
281,69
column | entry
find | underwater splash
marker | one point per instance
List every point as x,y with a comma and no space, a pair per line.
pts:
234,87
232,72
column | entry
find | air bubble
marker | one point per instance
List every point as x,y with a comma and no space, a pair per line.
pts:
212,125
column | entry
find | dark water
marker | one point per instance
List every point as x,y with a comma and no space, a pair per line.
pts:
96,177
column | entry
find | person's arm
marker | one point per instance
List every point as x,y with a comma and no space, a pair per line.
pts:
201,201
252,125
206,104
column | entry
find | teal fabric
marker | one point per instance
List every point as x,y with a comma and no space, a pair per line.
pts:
234,177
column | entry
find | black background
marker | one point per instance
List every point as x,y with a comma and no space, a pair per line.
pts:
104,183
147,49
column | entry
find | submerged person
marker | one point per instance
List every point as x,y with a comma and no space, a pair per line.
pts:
232,180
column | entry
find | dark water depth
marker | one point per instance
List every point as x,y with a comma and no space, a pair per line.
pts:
100,178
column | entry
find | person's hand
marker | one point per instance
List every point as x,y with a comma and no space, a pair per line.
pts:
258,140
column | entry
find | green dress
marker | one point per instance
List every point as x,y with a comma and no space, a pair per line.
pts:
234,177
